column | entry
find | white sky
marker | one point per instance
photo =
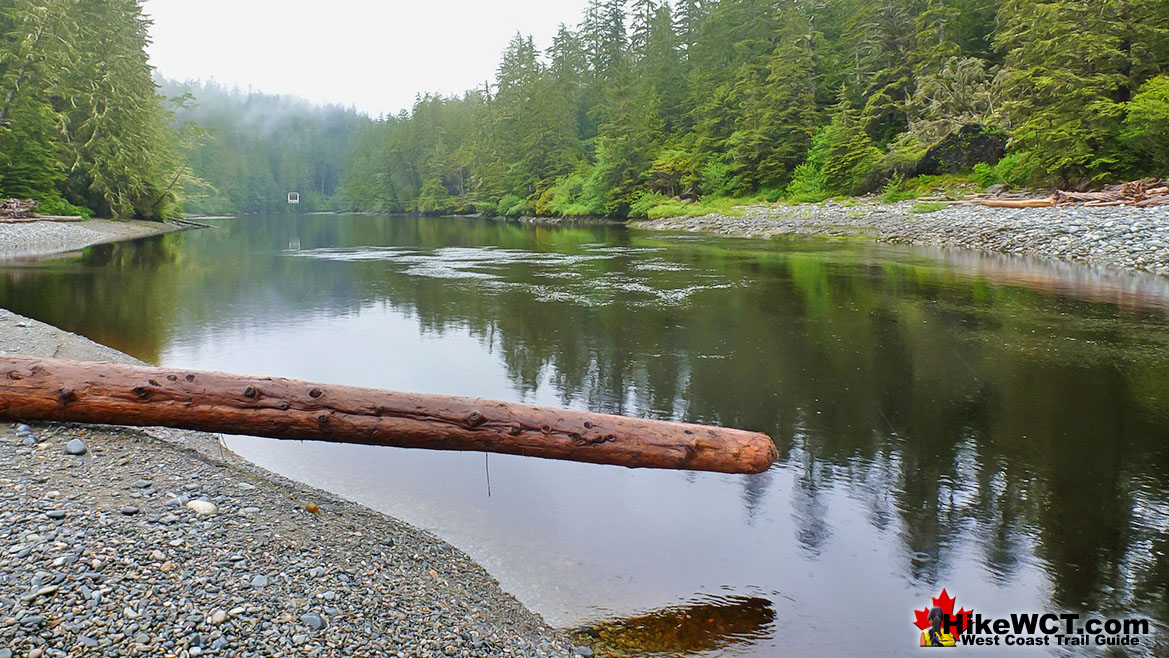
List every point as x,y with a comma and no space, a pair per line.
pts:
375,55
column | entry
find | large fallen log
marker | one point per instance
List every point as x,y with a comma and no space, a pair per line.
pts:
115,394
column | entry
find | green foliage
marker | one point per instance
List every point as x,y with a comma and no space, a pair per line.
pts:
985,175
922,207
646,202
1018,169
513,206
719,179
59,206
28,156
1146,124
669,172
808,184
895,189
79,118
727,206
743,98
1066,106
434,198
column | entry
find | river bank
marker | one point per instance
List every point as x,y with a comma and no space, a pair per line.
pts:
160,542
1125,237
30,239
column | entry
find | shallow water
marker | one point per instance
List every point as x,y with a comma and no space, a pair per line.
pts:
992,425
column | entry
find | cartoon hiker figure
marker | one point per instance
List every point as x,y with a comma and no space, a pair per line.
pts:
934,636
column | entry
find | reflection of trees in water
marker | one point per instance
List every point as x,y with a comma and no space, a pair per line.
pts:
951,410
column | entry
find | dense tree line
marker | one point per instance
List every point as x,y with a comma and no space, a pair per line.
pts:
643,107
248,150
645,101
81,127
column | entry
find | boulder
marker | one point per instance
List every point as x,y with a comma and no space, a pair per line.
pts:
961,150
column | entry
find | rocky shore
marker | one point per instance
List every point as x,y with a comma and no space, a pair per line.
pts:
1118,236
122,542
49,237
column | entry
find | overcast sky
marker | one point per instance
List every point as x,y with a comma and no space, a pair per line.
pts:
374,54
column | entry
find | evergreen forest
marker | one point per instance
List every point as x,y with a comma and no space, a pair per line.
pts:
643,108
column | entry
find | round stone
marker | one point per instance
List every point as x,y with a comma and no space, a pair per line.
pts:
313,621
76,447
202,507
129,510
56,514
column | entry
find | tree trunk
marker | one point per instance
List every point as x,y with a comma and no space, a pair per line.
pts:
107,393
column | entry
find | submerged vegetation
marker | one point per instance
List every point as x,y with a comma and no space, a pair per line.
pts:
646,108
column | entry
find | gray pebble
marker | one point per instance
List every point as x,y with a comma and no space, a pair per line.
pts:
584,652
76,447
56,514
129,510
29,441
5,653
313,621
260,581
142,484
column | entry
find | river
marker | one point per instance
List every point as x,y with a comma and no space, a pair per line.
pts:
994,426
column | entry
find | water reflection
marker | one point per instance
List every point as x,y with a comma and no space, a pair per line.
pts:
709,623
990,425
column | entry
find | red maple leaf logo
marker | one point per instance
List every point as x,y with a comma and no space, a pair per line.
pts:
946,603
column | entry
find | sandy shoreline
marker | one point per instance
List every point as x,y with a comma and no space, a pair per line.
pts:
101,553
32,239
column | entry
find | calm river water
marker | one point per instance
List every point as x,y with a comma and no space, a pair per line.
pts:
995,426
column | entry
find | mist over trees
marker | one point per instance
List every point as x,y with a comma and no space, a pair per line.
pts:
248,150
81,128
645,101
641,108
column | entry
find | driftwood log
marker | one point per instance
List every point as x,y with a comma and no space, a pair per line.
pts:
115,394
1133,193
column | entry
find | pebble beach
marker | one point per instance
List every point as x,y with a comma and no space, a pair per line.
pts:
1116,236
153,542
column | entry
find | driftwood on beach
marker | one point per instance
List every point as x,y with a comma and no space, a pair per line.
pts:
1134,193
115,394
17,208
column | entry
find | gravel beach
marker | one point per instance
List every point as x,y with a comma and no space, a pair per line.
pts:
122,542
42,238
1117,236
